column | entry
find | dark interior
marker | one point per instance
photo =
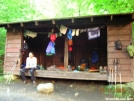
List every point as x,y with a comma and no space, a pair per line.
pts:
82,48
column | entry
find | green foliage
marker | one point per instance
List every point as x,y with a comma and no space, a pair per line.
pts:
1,71
2,41
1,78
2,47
114,6
24,10
118,93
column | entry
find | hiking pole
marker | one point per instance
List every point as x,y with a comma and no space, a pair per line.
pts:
115,82
109,76
112,76
109,79
11,73
115,63
120,82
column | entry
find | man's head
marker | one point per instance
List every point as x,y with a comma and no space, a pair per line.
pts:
31,54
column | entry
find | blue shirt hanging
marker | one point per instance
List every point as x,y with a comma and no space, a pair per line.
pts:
69,34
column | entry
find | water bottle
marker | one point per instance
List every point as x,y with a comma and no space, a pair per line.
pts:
69,68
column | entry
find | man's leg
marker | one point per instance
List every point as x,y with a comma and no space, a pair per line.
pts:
32,73
22,72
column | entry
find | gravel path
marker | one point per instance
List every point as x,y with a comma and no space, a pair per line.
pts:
64,90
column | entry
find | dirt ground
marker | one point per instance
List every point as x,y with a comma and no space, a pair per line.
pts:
64,90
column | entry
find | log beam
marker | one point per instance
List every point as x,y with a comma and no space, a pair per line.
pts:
66,54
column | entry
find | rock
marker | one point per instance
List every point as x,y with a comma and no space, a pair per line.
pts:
13,77
71,85
45,88
76,94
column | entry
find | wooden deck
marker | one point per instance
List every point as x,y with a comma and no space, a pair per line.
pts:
69,75
74,75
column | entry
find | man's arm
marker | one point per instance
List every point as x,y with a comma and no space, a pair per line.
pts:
35,62
27,63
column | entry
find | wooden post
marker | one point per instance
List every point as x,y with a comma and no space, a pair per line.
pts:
66,54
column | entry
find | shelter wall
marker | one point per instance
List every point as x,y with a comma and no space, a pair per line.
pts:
123,32
12,49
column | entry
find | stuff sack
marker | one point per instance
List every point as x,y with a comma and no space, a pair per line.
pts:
49,47
94,57
53,37
118,45
70,42
130,50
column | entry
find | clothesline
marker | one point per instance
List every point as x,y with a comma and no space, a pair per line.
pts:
92,32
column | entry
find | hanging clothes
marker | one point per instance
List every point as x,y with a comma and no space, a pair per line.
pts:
93,33
69,34
83,30
73,32
77,32
50,49
30,34
63,29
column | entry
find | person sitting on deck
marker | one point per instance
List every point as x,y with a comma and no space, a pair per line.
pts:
31,64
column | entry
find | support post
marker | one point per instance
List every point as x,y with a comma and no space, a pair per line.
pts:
66,54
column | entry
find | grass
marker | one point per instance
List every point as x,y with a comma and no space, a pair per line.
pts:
1,78
1,74
126,92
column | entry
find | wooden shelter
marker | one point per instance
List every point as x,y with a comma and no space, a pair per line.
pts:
112,28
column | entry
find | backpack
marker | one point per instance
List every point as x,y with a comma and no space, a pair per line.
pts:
83,64
94,57
130,50
118,45
25,46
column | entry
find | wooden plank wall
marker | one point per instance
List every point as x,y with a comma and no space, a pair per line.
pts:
123,33
12,49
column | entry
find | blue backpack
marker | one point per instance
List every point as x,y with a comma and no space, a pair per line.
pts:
94,57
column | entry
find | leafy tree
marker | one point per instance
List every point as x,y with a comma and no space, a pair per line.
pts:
2,46
2,40
24,10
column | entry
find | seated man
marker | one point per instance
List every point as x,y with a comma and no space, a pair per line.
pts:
31,63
